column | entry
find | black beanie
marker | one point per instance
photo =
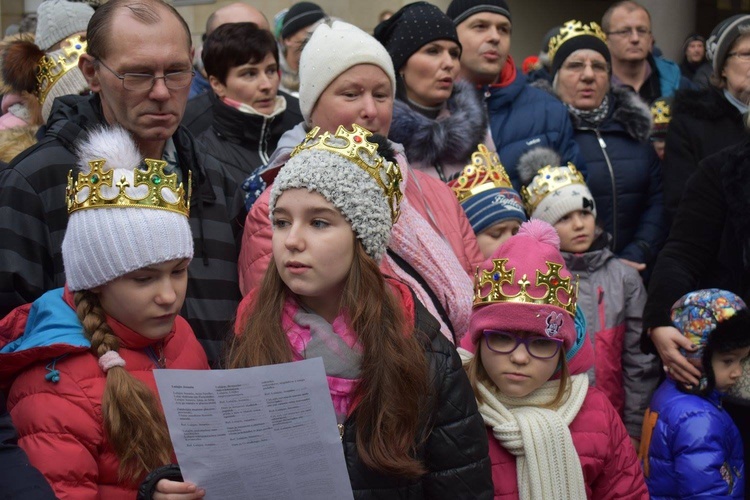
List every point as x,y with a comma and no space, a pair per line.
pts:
460,10
299,16
411,28
583,36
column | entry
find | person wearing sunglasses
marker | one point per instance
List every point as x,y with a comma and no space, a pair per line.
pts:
527,355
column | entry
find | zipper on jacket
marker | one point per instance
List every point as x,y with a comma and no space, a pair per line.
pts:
262,143
603,146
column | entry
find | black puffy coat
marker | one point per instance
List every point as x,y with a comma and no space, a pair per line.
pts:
703,123
624,175
241,141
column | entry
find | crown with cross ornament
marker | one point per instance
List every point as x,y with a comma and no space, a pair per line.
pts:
86,191
354,146
561,292
483,173
571,29
547,180
51,68
661,113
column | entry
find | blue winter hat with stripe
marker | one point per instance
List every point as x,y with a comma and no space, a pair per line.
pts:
485,192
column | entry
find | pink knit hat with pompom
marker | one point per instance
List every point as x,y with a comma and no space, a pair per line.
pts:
532,259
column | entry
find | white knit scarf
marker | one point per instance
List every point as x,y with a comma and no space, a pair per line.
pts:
547,463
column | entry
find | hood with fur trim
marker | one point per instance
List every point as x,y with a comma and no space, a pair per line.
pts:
448,139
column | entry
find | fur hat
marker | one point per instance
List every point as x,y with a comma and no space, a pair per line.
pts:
460,10
59,19
300,16
331,50
345,183
542,175
102,243
714,320
723,37
411,28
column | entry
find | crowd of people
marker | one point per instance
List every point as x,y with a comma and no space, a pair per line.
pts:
524,282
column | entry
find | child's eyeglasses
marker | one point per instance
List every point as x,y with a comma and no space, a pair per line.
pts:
506,342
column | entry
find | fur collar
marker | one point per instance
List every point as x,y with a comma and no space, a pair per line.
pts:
704,104
447,139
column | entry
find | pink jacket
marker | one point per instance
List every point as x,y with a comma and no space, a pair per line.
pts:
431,197
610,466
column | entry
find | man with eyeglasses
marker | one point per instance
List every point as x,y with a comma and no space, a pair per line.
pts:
138,66
628,28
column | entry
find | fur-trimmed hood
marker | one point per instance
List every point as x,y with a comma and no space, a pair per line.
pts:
626,109
449,138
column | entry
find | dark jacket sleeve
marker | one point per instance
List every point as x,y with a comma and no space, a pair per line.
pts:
456,451
18,479
680,162
652,231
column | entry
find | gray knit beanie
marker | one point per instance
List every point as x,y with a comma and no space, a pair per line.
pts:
722,38
347,186
58,19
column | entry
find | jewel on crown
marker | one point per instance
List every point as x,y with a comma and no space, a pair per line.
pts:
86,191
661,113
571,29
50,69
484,172
499,275
547,180
354,146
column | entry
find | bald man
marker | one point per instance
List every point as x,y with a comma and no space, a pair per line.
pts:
238,12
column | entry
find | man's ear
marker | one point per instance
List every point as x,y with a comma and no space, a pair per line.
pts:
87,65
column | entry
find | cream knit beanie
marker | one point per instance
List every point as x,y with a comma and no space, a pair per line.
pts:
58,19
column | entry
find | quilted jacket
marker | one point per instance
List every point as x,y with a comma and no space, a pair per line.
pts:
60,423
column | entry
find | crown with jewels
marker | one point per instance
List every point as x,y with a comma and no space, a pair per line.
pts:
484,172
499,276
547,180
50,69
354,146
571,29
661,112
153,177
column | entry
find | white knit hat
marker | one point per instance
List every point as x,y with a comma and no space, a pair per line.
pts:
58,19
106,242
555,192
331,50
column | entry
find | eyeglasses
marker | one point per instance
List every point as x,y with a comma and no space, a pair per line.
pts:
580,66
140,81
506,342
641,32
742,56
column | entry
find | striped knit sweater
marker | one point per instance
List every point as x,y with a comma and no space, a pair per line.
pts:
33,217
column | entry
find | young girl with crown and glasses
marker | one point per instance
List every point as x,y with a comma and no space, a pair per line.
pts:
406,413
77,364
526,353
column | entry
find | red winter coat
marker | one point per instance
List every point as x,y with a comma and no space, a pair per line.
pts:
610,465
60,424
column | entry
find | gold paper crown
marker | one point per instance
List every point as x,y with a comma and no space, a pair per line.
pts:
547,180
50,69
661,113
484,172
571,29
354,146
499,275
153,177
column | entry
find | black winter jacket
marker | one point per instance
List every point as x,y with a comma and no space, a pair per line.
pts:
703,123
624,175
241,141
33,218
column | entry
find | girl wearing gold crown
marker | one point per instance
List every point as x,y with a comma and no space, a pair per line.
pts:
407,417
78,363
527,353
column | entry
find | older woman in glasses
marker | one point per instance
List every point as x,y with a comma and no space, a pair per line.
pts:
612,127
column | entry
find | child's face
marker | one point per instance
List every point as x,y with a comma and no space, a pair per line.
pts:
491,238
147,300
576,230
727,367
659,146
313,248
518,373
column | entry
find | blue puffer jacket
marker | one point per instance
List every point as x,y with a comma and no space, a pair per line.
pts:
695,448
523,117
620,159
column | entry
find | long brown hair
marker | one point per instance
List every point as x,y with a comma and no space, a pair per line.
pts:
393,386
476,373
133,419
